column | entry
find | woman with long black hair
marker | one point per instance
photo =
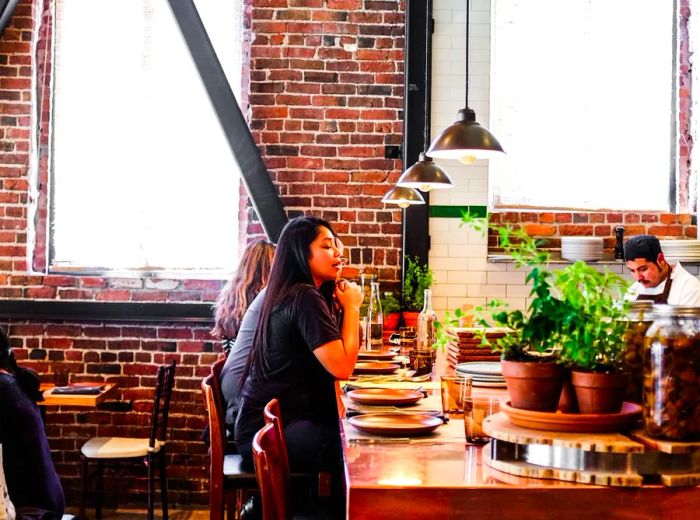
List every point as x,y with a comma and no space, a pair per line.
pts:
300,349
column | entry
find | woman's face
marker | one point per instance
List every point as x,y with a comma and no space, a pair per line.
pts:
324,257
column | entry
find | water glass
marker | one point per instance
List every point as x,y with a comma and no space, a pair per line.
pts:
454,390
476,409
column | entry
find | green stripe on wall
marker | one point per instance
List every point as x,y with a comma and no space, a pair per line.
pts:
456,211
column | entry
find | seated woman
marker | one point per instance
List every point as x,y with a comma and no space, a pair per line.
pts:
299,350
31,478
234,299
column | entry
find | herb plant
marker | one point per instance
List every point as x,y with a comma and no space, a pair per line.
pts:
594,326
418,277
390,303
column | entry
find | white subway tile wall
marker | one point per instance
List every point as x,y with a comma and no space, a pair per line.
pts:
458,255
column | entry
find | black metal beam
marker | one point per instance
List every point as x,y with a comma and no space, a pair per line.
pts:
256,178
418,52
105,311
7,9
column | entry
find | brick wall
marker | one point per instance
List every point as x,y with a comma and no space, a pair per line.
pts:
326,87
326,97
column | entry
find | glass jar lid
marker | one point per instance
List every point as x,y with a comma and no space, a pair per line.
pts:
640,310
673,311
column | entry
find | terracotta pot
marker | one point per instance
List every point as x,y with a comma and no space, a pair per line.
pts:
410,319
533,385
391,321
567,400
598,392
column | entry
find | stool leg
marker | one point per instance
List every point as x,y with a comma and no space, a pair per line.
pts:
163,484
149,465
99,486
83,485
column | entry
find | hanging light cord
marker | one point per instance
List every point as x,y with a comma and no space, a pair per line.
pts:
427,80
466,63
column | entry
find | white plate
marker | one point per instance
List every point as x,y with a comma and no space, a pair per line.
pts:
486,368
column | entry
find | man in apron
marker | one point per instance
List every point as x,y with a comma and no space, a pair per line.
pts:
655,278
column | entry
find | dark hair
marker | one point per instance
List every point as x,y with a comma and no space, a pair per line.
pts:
290,268
642,246
251,276
28,380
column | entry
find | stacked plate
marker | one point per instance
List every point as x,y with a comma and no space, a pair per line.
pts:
681,250
483,373
588,249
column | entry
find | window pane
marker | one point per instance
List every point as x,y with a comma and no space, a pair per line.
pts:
583,106
142,174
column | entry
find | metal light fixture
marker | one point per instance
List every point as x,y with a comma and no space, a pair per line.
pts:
465,140
425,175
403,197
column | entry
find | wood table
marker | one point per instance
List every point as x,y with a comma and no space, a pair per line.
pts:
419,479
84,401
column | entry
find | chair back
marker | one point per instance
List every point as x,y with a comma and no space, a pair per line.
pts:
212,400
165,379
272,473
273,415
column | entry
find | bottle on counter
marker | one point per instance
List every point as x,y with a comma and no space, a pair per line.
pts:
375,319
365,285
426,324
619,240
672,374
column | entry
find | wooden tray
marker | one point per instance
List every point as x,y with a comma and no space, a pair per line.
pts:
575,422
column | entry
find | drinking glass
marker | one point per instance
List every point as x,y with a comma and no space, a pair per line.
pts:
476,409
454,390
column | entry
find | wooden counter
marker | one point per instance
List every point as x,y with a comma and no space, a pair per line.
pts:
421,479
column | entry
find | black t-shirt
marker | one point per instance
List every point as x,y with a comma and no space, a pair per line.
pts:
291,372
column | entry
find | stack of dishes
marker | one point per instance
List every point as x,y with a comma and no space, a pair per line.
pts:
588,249
483,373
464,344
681,250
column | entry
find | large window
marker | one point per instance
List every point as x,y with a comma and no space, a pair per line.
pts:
142,178
582,99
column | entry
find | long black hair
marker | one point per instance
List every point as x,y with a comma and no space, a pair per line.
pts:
290,268
26,378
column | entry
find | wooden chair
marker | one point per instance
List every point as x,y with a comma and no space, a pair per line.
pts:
151,450
225,473
272,471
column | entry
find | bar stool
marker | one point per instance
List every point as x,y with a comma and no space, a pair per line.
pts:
120,450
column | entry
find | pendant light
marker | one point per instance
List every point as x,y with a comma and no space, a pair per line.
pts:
403,197
425,175
465,140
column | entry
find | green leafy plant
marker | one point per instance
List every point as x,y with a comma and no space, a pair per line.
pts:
594,327
390,303
573,314
418,277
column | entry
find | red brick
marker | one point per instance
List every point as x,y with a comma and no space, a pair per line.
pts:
540,230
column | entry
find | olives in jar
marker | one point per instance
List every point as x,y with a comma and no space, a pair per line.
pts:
638,322
672,374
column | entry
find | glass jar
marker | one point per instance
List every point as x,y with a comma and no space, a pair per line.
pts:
672,373
366,280
638,322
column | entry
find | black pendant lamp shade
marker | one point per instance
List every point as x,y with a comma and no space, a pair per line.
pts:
466,140
425,175
403,197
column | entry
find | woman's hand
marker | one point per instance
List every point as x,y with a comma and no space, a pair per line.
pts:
348,294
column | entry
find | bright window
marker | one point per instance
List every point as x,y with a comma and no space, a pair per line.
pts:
582,100
142,176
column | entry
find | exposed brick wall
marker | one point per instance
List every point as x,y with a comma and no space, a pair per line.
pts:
127,354
326,96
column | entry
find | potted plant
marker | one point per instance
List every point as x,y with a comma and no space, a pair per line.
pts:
529,353
417,278
392,311
593,336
